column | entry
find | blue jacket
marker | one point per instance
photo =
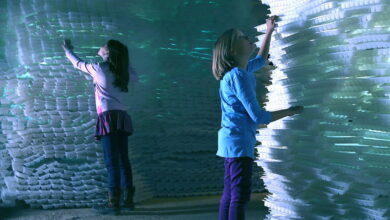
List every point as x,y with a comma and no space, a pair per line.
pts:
241,113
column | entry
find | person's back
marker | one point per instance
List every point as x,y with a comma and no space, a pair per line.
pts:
107,95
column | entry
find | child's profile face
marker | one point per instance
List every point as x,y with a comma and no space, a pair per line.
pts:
103,52
244,46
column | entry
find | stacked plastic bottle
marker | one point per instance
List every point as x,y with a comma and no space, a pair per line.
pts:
332,161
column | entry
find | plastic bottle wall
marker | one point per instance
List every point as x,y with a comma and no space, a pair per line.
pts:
332,161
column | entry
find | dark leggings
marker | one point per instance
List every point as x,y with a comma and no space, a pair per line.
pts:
237,188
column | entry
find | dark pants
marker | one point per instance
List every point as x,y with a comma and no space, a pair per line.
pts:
117,161
237,188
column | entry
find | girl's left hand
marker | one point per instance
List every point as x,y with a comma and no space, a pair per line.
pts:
271,23
67,45
295,110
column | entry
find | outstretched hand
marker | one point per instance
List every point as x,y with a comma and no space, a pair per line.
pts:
67,45
271,23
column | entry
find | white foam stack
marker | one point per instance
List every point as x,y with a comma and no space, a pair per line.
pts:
332,161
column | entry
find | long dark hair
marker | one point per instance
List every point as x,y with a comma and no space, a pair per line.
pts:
223,59
118,59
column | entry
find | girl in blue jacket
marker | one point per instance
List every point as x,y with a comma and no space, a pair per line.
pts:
241,114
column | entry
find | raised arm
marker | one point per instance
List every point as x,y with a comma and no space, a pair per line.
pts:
262,56
90,68
264,49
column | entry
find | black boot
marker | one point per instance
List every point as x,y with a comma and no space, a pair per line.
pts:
112,207
128,195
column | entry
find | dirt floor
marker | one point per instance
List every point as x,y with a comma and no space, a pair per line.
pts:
190,208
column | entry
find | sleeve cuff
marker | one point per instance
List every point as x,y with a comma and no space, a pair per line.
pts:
259,57
68,50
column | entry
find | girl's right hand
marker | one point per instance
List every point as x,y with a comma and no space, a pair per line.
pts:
271,23
67,45
295,110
